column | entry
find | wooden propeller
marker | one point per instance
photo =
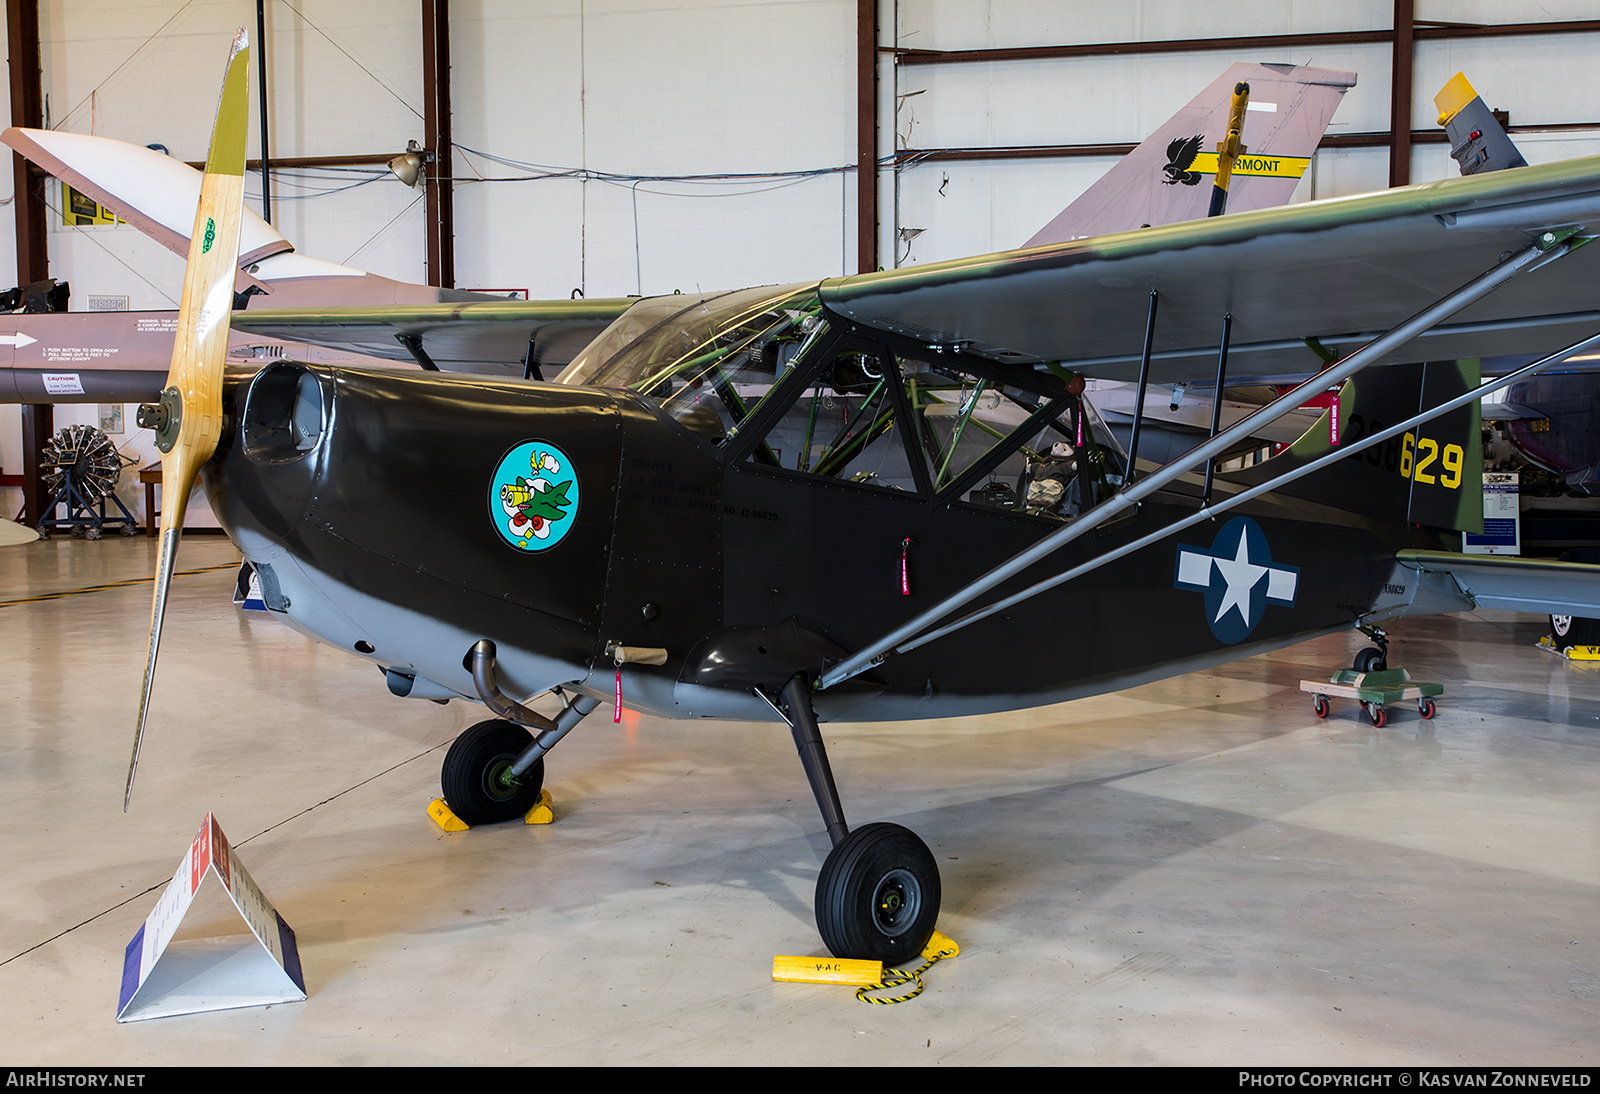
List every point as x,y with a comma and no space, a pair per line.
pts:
188,420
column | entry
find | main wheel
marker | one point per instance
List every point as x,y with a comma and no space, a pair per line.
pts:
878,895
1572,630
475,776
1371,659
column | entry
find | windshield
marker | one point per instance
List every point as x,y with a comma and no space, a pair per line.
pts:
705,360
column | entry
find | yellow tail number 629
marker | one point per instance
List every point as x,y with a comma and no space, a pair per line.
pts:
1417,455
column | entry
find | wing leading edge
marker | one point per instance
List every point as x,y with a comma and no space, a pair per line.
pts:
474,337
1337,270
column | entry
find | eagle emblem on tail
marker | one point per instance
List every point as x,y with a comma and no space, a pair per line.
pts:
1180,157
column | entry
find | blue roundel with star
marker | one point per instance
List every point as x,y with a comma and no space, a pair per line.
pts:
1238,577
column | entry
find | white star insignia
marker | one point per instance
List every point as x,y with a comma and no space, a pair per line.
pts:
1242,575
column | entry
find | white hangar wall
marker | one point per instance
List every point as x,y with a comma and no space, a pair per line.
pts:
631,88
638,89
974,207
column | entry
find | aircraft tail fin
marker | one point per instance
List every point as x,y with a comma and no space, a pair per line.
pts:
1478,142
1429,476
1159,182
151,190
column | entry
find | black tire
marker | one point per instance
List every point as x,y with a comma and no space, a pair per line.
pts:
878,895
1371,659
1572,630
471,773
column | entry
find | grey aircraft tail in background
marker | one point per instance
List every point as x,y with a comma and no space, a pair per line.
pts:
1160,182
351,316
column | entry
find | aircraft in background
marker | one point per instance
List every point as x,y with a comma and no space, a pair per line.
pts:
1549,420
122,356
1161,181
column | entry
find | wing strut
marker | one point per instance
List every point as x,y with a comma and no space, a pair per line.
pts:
1216,400
1548,248
1144,382
1211,512
188,420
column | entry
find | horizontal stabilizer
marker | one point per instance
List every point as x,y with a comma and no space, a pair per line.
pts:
1516,584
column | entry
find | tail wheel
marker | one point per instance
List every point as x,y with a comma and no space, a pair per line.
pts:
878,895
476,775
1371,659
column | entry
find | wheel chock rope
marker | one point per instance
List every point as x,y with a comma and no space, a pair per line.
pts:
938,948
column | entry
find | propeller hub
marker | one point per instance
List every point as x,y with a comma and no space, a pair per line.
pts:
163,417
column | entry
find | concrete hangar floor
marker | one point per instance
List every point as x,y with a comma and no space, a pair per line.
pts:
1197,871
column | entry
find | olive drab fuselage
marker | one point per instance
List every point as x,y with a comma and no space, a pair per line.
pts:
404,516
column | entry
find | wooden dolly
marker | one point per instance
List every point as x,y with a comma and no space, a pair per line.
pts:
1373,689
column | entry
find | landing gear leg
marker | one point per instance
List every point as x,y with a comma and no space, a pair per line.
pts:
495,770
878,892
1374,658
802,718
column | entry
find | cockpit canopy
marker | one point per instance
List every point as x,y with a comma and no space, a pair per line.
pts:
760,373
671,348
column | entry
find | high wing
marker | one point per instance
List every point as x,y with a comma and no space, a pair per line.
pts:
1338,270
484,337
1457,269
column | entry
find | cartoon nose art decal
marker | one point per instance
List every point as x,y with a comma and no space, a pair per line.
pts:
533,498
1238,576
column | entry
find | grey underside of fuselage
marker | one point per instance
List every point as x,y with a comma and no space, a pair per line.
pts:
431,650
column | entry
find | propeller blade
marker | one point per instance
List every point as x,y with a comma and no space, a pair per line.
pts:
188,420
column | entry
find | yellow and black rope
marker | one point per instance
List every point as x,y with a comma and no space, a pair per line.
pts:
894,978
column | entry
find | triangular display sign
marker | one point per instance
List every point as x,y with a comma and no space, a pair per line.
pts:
159,980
